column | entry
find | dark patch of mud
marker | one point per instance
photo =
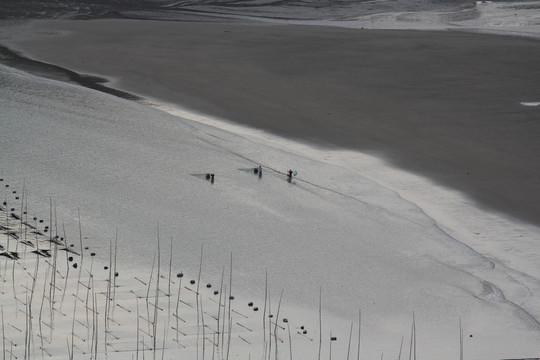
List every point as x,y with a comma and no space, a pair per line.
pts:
12,59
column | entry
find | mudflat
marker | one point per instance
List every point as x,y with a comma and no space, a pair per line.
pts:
447,105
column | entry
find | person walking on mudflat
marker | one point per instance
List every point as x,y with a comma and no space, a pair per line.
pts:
289,175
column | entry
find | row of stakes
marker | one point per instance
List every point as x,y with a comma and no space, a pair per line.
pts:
302,329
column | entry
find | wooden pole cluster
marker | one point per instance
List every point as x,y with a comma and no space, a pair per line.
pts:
93,318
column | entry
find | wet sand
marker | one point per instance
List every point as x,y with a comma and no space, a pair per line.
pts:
443,104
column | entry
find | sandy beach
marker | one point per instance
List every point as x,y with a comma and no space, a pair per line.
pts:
446,105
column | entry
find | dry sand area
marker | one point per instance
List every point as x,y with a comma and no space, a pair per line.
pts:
443,104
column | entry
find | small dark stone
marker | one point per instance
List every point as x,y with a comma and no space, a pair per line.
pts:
75,265
208,285
179,275
192,282
255,309
250,303
116,274
70,258
216,292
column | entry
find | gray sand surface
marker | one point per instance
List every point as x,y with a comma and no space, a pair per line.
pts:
443,104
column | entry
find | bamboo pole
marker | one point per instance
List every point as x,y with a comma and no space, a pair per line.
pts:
349,346
400,348
197,295
276,326
229,315
320,322
155,321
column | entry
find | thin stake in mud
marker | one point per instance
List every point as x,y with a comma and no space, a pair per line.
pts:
148,289
93,336
90,282
26,329
219,309
41,311
67,269
320,322
96,323
460,340
229,315
52,284
108,301
400,348
276,324
21,216
52,288
264,312
198,311
349,346
166,331
29,305
179,276
80,238
137,348
359,332
75,311
155,320
115,270
203,327
270,327
412,347
78,278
